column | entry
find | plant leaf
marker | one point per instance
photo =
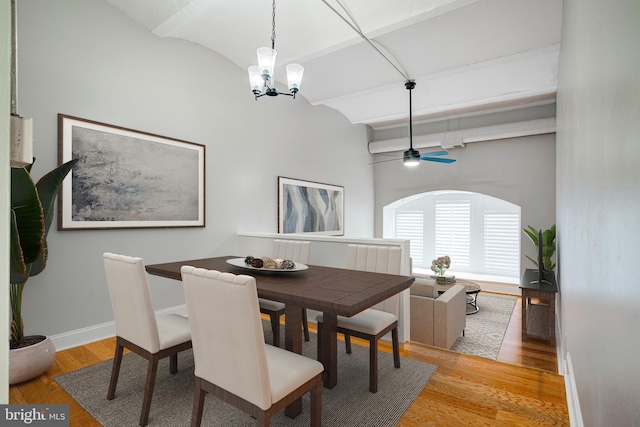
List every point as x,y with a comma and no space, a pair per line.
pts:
18,266
48,187
28,215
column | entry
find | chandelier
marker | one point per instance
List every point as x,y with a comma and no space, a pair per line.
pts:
261,76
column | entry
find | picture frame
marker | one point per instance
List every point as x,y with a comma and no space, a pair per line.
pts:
128,179
310,207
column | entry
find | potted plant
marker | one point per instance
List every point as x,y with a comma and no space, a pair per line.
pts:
32,208
440,266
548,245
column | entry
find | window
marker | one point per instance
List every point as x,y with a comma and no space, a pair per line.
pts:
480,233
501,243
453,232
409,225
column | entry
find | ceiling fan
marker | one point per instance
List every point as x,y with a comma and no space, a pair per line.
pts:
412,157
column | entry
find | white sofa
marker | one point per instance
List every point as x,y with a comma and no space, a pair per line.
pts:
437,320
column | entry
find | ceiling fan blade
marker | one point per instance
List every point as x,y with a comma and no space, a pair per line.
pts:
435,153
435,159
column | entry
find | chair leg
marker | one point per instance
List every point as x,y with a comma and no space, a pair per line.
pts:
316,405
305,324
347,343
263,419
396,347
275,328
373,365
148,389
198,404
173,363
115,371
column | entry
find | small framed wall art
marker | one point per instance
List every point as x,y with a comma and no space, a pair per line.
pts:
310,207
128,179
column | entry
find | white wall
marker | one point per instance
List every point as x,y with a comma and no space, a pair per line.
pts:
598,188
518,170
5,90
87,59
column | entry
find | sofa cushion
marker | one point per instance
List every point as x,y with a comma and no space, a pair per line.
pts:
424,287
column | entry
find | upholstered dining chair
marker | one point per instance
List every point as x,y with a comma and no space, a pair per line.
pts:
296,251
232,361
373,323
138,328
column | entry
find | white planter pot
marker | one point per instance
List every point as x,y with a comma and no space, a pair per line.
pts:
29,362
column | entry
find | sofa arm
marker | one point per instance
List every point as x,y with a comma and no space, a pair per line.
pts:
450,316
421,319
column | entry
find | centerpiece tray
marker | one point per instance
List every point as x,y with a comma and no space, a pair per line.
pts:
239,262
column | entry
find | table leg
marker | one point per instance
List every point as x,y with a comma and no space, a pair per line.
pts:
524,315
552,319
328,349
293,342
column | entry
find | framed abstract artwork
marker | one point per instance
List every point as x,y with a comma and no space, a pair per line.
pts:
128,179
310,207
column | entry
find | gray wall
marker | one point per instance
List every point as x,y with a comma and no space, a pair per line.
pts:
87,59
5,67
519,170
598,188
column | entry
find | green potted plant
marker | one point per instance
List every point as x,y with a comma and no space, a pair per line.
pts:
548,245
32,208
440,266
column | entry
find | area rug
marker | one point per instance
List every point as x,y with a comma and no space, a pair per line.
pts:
348,404
485,329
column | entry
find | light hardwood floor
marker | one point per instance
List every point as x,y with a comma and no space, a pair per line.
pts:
522,388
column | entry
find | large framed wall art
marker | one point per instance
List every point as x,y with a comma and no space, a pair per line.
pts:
310,207
128,179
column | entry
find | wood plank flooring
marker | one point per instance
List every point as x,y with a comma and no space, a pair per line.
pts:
522,388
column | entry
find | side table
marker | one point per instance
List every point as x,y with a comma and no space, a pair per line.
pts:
539,320
472,291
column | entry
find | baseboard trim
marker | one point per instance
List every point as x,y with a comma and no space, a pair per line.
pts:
573,404
99,332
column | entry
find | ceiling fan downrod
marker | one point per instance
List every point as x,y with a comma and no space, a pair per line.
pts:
411,157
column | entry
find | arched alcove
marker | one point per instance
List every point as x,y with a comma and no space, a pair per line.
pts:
479,232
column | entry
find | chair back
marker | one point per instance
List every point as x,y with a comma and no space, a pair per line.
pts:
295,250
131,301
377,259
226,333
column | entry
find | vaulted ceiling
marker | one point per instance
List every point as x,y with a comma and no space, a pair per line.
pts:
464,55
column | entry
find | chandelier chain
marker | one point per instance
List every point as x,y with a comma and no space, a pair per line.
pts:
273,26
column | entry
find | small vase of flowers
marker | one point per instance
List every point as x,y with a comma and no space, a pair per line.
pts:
440,266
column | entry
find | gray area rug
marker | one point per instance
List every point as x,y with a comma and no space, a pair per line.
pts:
485,329
348,404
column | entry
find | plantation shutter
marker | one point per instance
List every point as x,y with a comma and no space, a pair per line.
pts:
501,251
410,226
453,232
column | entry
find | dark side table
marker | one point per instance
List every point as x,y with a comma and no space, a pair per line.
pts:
539,320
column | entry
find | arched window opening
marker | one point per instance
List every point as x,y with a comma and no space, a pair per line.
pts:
480,233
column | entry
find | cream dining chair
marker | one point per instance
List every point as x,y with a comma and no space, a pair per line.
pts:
373,323
296,251
232,361
138,328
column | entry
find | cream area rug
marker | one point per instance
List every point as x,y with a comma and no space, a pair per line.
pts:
485,329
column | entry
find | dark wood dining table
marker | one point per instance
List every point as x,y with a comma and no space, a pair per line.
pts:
333,291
